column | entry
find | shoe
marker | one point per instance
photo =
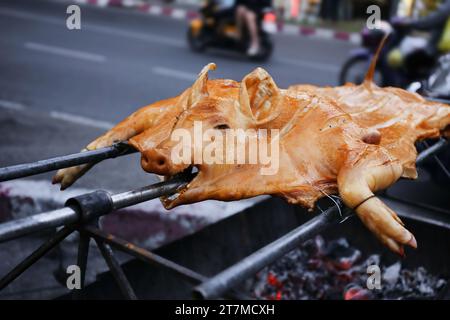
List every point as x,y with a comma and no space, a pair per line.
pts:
253,51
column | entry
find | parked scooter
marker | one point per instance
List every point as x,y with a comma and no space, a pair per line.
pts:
216,29
416,62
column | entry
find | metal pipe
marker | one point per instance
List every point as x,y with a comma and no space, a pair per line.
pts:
435,148
152,258
144,255
116,270
116,150
218,285
35,256
82,258
93,156
69,215
432,99
20,227
436,158
156,190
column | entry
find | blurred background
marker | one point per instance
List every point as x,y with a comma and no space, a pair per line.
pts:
61,88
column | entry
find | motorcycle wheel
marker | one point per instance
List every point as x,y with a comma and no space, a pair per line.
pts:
197,42
354,70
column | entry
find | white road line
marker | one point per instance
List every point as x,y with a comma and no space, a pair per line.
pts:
182,75
309,64
146,37
82,55
155,10
81,120
12,105
31,16
85,121
102,3
179,14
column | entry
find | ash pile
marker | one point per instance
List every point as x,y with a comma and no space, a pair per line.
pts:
337,270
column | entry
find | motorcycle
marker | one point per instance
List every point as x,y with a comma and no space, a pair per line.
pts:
219,30
416,62
436,87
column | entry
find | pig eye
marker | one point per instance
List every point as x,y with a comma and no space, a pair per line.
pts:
222,127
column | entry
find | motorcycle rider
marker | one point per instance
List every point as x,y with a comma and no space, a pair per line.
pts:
247,13
437,22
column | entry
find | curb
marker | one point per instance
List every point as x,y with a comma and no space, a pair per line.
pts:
186,14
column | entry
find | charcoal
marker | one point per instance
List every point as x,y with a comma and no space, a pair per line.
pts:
356,292
337,270
392,273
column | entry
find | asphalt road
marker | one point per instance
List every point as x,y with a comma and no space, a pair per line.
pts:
121,60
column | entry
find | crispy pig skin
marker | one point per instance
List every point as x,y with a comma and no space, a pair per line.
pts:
351,140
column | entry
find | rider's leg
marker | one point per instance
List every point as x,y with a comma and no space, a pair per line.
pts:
240,20
252,24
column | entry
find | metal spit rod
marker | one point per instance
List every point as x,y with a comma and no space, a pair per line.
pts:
93,156
116,150
69,215
218,285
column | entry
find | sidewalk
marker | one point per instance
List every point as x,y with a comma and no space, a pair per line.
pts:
187,10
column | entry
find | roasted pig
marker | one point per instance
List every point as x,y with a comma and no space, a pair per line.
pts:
351,141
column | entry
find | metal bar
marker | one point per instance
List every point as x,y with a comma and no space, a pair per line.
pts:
435,157
35,256
145,255
16,228
156,190
432,99
21,227
92,156
149,257
82,258
418,212
435,148
218,285
212,288
116,270
28,169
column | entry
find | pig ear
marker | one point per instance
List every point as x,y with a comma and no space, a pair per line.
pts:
258,94
199,88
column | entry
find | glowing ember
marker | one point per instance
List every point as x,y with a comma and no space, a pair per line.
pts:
336,270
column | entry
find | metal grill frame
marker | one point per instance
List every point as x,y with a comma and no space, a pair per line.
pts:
81,214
